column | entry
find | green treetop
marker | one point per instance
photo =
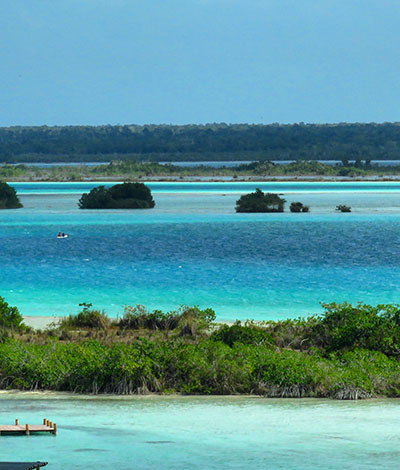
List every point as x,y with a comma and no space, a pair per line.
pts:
8,197
119,196
260,202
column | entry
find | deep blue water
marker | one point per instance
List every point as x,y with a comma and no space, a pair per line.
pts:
194,249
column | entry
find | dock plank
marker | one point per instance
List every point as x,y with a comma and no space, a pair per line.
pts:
22,428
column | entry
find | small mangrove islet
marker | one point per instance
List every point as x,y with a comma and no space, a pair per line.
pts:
298,207
8,197
120,196
260,202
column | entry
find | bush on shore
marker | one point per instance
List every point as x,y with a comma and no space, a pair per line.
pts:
189,320
86,318
10,316
347,352
208,367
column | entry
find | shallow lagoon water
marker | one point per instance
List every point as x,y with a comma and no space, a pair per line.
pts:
194,249
204,432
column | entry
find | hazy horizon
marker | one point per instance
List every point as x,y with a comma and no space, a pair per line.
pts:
99,62
205,124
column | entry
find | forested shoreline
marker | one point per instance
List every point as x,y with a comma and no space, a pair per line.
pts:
347,352
210,142
256,171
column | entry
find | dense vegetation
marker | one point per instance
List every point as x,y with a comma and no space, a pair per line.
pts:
10,316
348,352
8,197
201,142
343,208
260,202
124,170
119,196
299,207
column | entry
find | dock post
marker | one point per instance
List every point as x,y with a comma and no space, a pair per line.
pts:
44,421
16,422
51,424
55,428
27,429
47,422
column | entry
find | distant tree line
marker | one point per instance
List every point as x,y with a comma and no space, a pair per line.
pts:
201,142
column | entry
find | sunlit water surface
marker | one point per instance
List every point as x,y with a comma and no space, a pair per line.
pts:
194,249
204,433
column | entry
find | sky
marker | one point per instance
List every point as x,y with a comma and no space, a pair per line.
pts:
93,62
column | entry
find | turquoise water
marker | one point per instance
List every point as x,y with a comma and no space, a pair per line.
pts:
204,433
194,249
217,187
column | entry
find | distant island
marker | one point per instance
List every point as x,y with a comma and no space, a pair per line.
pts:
118,170
210,142
8,197
119,196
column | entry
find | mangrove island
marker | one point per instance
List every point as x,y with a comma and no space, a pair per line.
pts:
119,196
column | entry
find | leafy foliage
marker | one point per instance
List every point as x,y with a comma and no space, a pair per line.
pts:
188,320
348,327
138,317
298,207
201,142
10,316
86,318
348,352
8,197
245,334
260,202
119,196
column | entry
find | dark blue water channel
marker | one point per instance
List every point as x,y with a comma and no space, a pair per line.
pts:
242,269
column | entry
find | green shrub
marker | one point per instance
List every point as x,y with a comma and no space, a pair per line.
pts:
87,318
237,333
10,316
193,321
344,326
138,317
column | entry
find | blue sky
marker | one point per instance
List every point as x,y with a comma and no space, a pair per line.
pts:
197,61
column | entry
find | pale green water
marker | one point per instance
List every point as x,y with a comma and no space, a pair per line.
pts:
205,433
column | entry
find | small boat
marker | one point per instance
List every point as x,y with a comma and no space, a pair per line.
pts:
62,235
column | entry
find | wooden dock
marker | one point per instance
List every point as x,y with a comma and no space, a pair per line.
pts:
47,426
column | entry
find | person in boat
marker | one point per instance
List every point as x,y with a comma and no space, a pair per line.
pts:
59,234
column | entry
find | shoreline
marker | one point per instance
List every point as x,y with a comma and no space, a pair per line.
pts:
40,322
216,179
60,395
